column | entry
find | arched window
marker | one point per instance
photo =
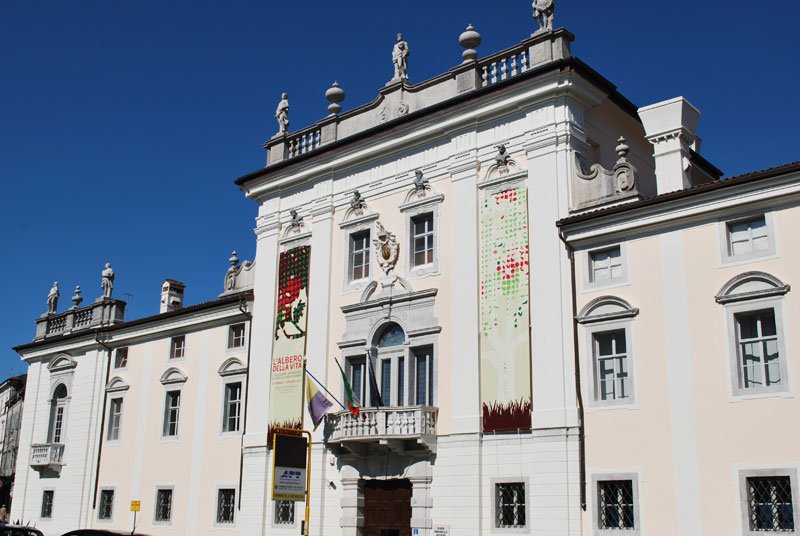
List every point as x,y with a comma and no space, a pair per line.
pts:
392,335
58,411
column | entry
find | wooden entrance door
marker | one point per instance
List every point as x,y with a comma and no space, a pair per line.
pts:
387,508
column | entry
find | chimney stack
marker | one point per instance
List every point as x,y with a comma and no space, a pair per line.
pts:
671,126
171,295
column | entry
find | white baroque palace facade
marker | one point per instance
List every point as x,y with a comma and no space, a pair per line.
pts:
547,312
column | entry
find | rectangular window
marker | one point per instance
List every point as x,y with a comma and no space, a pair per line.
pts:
612,381
114,419
748,237
163,512
226,506
386,381
58,424
423,375
47,504
284,512
121,358
605,265
401,380
357,378
359,255
615,505
177,347
510,505
422,240
236,336
757,347
233,407
106,508
172,408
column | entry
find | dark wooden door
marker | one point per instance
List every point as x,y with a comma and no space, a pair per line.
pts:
387,508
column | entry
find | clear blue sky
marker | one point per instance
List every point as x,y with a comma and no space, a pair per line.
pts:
124,123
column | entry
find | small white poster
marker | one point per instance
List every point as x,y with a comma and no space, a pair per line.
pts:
289,484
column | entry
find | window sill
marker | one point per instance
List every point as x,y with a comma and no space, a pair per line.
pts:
728,262
742,397
604,285
599,406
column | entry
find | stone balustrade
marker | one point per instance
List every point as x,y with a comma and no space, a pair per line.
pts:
403,428
48,455
103,312
503,65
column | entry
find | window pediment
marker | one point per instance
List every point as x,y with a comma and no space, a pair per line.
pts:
62,363
173,375
232,367
750,286
606,308
116,385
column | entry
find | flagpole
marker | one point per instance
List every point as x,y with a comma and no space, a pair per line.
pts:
325,389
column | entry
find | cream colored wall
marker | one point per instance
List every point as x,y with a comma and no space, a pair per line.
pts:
199,461
731,433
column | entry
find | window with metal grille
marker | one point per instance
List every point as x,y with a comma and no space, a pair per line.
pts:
615,504
177,347
611,365
422,240
770,503
748,237
114,419
605,265
226,505
172,408
759,357
236,336
121,358
163,506
359,255
284,512
233,407
106,508
510,505
47,504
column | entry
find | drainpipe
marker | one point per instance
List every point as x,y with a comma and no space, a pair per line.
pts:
243,309
102,419
578,392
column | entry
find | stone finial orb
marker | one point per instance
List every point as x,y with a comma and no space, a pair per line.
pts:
470,39
234,260
335,95
77,298
622,148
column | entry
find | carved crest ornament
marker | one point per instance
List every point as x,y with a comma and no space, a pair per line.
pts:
386,248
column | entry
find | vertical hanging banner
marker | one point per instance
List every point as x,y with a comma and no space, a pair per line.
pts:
505,315
289,344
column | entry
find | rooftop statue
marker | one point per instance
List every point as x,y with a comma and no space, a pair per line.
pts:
282,114
108,280
543,13
52,298
501,158
400,58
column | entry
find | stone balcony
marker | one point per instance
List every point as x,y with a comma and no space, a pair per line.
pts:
404,429
103,312
47,456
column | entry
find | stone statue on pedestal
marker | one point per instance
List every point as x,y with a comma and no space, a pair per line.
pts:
52,299
400,58
108,281
543,11
282,114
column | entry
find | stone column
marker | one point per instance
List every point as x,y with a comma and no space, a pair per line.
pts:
352,521
421,505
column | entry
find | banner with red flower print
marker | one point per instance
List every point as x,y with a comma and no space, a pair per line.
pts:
505,343
289,343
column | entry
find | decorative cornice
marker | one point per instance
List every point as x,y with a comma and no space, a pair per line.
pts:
173,375
771,286
621,309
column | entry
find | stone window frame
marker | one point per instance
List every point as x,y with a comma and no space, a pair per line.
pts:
750,292
524,480
232,370
624,279
172,380
603,314
416,207
111,397
595,513
231,381
744,501
110,519
116,354
274,516
215,521
164,523
171,357
229,338
52,491
724,237
349,228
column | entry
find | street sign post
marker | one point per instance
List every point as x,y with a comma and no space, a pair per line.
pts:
135,507
291,468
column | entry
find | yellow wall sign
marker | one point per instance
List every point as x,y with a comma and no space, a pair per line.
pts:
135,506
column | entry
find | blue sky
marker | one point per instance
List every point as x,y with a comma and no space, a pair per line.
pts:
123,124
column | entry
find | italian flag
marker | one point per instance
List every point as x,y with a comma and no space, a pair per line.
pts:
348,393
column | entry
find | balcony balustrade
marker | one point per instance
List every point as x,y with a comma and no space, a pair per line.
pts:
47,456
404,429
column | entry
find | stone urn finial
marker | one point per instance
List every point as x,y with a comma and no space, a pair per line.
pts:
622,148
470,39
335,95
234,260
77,298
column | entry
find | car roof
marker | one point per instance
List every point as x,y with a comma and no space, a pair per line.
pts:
99,532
